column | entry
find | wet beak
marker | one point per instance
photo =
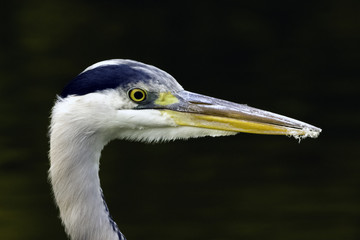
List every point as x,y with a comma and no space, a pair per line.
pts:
191,109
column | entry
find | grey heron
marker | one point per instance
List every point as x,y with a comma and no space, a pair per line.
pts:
125,99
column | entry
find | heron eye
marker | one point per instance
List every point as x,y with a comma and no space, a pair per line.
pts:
137,95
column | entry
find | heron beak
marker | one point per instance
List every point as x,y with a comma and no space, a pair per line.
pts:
191,109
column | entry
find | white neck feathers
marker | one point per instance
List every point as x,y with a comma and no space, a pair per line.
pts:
74,159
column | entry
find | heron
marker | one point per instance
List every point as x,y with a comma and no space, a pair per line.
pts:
130,100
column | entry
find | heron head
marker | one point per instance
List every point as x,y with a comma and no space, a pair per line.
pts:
132,100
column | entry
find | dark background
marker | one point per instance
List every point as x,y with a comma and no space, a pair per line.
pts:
290,57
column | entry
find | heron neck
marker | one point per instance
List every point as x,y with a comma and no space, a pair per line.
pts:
74,160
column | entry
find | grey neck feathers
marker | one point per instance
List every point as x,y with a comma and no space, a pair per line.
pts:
74,160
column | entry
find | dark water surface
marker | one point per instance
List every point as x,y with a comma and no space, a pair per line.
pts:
296,59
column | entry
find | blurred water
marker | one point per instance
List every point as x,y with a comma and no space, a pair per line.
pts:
294,58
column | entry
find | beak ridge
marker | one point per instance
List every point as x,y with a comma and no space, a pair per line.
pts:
198,110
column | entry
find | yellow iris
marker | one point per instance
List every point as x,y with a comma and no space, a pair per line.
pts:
137,94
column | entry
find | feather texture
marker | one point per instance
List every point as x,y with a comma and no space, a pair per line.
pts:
80,127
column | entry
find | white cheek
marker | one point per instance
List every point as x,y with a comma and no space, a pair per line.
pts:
169,133
154,126
141,119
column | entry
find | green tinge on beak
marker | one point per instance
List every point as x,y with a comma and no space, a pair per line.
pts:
206,112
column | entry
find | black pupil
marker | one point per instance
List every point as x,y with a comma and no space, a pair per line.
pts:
138,95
